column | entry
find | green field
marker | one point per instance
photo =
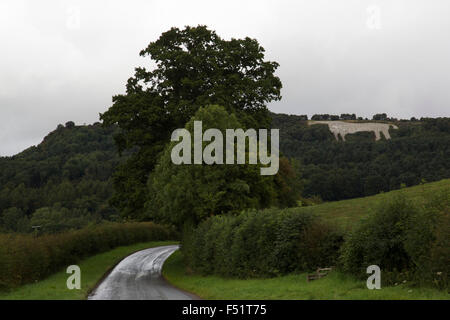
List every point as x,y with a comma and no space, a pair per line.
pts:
346,213
92,270
291,287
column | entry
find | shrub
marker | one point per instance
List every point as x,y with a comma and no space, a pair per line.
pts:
261,243
25,259
289,232
223,260
406,241
380,239
252,246
428,241
319,246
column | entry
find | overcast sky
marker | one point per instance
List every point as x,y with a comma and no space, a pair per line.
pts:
64,60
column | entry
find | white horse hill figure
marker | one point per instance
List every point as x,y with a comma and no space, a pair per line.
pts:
344,128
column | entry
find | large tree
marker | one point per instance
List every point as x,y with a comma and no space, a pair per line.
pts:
193,67
184,195
187,194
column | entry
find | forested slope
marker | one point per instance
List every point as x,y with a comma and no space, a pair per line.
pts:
418,151
63,182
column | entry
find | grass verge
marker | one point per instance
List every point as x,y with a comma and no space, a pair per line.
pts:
291,287
92,270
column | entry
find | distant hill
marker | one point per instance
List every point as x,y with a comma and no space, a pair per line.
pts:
335,170
69,173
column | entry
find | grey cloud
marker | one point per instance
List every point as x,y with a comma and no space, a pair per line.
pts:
54,70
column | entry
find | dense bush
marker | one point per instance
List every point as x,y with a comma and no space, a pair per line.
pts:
407,241
261,243
428,241
25,259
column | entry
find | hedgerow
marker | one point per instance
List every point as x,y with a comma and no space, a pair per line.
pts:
25,258
261,243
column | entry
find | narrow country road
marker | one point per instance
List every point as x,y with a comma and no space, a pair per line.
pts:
138,277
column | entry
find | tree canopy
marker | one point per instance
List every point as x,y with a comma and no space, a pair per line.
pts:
194,67
187,194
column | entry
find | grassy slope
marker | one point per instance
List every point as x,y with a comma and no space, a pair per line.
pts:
334,286
346,213
92,270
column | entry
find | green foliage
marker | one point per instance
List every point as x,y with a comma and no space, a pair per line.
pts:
380,239
57,219
289,183
70,172
13,220
428,241
261,243
251,252
188,194
194,68
380,116
26,259
405,240
305,243
319,246
72,167
336,170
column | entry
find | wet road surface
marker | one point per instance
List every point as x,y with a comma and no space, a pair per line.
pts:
138,277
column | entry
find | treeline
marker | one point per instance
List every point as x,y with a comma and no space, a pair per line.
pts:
417,152
63,183
348,116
